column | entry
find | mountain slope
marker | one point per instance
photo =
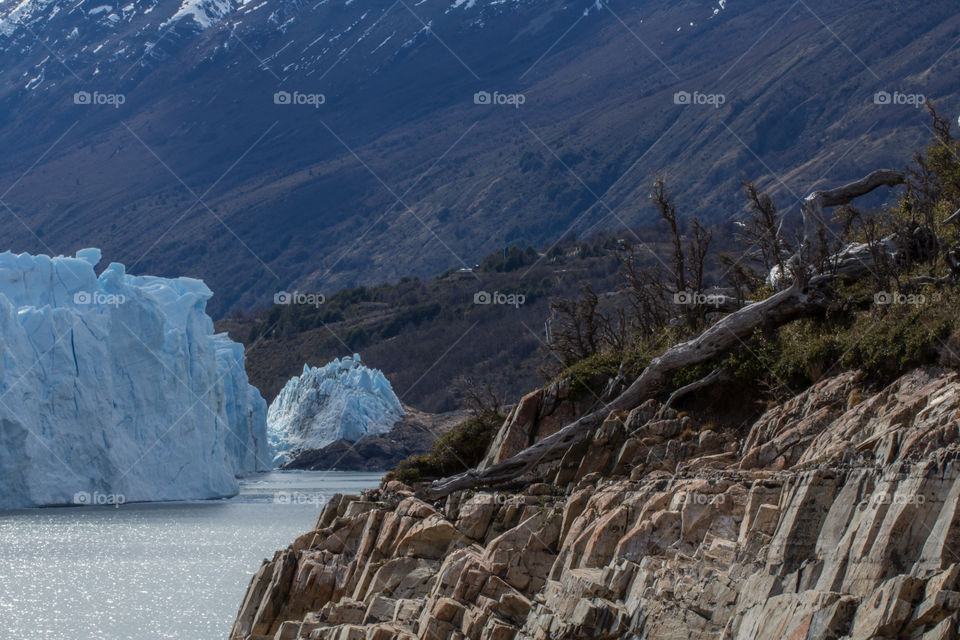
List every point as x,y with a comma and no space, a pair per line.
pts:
430,336
399,172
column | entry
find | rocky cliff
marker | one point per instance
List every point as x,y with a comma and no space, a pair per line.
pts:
835,514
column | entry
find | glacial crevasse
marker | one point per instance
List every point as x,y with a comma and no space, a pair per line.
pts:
342,400
117,386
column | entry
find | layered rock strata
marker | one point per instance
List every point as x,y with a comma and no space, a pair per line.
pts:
834,516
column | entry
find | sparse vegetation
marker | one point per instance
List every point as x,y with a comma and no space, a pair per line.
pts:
884,343
403,328
901,316
456,450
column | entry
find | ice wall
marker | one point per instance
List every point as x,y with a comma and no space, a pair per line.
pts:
116,387
341,400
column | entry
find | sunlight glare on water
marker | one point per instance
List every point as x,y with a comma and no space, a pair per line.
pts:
174,571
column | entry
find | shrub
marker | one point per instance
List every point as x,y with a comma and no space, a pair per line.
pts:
588,376
885,342
457,450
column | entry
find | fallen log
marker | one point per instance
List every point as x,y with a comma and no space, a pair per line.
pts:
727,333
798,300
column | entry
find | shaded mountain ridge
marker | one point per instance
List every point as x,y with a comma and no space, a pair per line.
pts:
206,169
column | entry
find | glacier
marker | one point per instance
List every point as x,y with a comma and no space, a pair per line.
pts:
343,400
116,388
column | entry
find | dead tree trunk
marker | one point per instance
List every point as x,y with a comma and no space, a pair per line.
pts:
814,204
727,333
805,297
715,376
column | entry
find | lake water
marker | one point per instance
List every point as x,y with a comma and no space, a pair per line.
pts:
151,571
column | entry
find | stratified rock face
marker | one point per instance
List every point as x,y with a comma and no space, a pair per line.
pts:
117,388
838,516
538,414
343,400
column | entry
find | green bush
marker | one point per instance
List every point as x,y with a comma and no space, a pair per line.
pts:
457,450
357,338
590,374
883,341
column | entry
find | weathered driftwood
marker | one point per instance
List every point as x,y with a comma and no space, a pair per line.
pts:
813,221
717,375
796,301
857,260
953,218
727,333
814,204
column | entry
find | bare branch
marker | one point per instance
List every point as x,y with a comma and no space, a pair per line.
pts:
727,333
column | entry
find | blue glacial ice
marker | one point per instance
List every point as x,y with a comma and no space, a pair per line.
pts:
342,400
116,387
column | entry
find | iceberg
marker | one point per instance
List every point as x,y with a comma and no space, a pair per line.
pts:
116,388
343,400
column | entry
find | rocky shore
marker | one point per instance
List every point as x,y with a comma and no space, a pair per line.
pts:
836,514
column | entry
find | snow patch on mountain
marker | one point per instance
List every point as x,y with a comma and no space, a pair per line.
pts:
205,13
117,386
341,400
23,12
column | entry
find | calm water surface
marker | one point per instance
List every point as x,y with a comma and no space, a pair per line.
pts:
151,571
